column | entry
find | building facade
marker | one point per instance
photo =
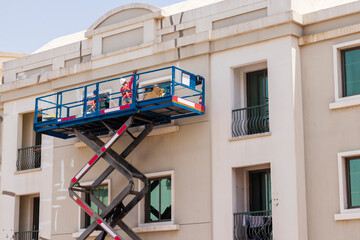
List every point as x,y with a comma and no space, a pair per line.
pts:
274,157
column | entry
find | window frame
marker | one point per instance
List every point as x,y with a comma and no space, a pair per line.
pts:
343,70
345,213
242,185
147,203
35,143
82,221
87,218
268,172
247,80
240,94
342,101
142,225
348,183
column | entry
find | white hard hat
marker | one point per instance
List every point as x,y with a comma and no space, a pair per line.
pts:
122,81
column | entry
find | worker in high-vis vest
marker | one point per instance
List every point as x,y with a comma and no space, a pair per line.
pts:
126,90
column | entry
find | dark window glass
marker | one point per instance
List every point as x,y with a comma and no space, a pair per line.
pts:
260,190
36,214
158,200
257,112
257,89
351,72
100,193
353,181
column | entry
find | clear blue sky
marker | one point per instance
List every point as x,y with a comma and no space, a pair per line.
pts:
26,25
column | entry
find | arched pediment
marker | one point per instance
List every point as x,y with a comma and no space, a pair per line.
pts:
123,13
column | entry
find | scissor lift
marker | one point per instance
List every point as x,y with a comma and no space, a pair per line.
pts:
157,97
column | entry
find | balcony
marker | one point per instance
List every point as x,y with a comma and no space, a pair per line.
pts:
27,235
253,225
28,158
250,120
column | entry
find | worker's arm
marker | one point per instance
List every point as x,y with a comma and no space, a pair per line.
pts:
132,79
131,82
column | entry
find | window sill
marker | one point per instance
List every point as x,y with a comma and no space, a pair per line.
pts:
349,214
159,227
265,134
345,102
28,171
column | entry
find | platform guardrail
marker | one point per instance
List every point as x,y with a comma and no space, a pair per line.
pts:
90,100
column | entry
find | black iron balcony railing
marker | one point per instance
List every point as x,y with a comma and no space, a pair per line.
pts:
28,158
250,120
27,235
253,225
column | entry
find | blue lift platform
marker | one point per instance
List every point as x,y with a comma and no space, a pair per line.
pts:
112,107
181,95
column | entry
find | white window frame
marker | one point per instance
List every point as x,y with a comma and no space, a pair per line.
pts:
81,211
340,100
345,213
157,226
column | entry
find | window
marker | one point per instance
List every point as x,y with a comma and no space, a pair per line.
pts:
157,209
346,60
349,185
350,71
252,209
251,112
257,102
260,190
28,215
158,200
353,181
29,155
102,194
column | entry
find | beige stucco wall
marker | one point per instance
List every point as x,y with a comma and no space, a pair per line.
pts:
192,177
282,149
327,133
37,182
215,41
